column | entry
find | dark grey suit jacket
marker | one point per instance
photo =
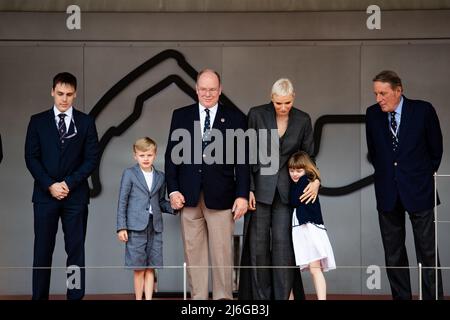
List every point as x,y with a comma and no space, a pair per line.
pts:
135,199
298,136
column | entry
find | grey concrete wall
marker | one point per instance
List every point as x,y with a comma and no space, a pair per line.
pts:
220,6
332,74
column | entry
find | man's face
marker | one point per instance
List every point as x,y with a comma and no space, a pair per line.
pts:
387,98
283,104
208,89
64,95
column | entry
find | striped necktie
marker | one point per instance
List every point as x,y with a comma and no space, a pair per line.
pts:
62,129
393,131
206,130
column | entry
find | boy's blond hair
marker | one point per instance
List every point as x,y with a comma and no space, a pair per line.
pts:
301,160
144,144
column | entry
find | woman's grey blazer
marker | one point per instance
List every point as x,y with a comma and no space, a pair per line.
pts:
298,136
135,199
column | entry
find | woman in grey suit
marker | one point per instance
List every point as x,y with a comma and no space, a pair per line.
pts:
267,230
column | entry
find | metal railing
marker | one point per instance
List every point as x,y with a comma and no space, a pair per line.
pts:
436,221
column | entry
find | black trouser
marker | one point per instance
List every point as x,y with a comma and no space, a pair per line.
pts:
392,226
74,221
270,244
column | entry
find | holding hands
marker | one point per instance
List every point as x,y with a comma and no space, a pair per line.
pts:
176,200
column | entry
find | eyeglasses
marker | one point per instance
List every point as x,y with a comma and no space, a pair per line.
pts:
208,90
75,132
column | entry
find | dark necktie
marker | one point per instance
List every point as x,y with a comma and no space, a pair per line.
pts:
62,125
206,129
394,131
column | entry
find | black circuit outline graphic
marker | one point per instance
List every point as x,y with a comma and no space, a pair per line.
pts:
115,131
318,127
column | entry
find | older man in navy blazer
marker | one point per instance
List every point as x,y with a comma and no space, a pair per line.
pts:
404,141
212,193
61,151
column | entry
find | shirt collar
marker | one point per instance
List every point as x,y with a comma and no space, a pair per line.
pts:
147,172
212,110
68,112
399,108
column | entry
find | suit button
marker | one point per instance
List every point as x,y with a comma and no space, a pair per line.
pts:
200,170
395,163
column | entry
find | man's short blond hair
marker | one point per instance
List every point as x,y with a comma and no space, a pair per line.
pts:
283,87
144,144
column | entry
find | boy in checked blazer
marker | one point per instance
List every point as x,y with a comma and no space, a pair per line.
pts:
139,219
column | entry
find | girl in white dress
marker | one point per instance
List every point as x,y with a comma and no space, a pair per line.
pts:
312,247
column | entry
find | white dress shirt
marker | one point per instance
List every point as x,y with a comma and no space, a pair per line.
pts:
149,179
67,119
212,115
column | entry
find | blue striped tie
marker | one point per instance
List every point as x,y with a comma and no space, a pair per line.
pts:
62,125
206,130
394,131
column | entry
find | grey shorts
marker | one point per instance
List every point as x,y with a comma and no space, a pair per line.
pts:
144,248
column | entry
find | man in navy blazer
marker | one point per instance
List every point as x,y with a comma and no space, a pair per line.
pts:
404,141
61,151
209,191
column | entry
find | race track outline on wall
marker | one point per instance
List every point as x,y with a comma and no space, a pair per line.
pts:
123,83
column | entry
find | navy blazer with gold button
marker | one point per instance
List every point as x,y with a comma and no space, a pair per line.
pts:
408,172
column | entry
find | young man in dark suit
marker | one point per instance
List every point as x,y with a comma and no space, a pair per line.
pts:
61,151
211,194
404,141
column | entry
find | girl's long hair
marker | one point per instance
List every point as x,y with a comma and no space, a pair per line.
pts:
301,160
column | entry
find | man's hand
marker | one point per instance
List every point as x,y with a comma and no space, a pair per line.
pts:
176,200
251,201
122,235
59,190
65,186
310,192
239,208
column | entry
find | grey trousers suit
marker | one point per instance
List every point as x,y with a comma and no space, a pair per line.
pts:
267,231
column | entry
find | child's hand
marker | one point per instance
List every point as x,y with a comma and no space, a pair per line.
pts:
123,235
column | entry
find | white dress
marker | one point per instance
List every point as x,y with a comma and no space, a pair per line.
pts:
311,243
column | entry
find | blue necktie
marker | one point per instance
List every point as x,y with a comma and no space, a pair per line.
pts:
62,125
206,130
394,131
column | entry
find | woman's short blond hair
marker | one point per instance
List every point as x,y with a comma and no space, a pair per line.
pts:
283,87
144,144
